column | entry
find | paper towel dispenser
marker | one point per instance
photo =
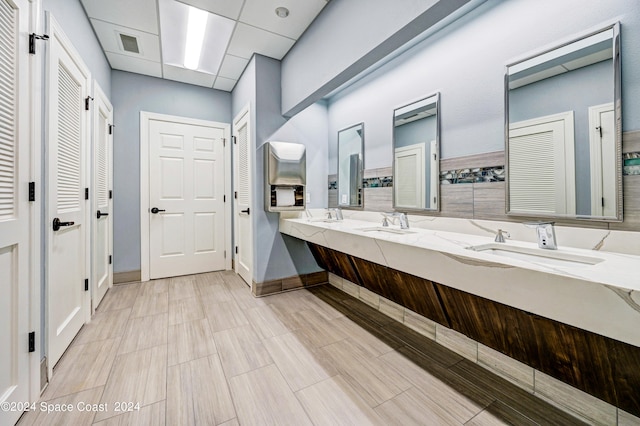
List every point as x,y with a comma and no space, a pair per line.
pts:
285,176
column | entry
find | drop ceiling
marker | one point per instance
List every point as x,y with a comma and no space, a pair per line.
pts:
236,30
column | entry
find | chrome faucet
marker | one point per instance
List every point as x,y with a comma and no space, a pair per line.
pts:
500,236
546,234
337,212
401,217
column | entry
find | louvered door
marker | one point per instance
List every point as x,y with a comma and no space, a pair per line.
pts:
242,182
542,166
102,217
67,243
14,208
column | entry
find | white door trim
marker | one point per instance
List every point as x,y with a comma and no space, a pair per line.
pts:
36,295
145,118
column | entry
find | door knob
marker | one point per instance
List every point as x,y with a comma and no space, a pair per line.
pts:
247,211
100,214
57,224
156,210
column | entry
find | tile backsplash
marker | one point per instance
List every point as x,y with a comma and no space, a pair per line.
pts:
473,187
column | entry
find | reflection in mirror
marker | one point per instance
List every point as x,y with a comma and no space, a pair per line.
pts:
350,166
416,155
563,131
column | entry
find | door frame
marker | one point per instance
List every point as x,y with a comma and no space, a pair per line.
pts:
37,301
145,118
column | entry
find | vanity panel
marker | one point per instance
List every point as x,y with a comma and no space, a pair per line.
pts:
335,262
598,365
414,293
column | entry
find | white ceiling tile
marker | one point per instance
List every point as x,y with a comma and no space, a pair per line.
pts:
247,39
173,20
141,15
232,67
136,65
108,34
228,8
188,76
226,84
261,14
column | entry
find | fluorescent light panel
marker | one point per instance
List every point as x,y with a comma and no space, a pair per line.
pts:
196,28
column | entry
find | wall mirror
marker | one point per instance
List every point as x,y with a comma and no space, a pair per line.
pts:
350,165
563,130
416,155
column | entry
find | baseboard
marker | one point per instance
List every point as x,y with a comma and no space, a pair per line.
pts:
290,283
126,277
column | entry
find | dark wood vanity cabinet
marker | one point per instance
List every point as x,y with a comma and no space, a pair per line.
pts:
603,367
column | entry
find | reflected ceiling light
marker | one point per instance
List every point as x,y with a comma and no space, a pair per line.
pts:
282,12
196,27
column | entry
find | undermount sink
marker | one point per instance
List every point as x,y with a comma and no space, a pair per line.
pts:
386,229
540,256
325,220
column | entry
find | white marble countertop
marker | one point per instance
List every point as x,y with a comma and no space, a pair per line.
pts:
603,298
616,269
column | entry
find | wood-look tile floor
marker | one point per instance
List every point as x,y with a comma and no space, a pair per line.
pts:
201,350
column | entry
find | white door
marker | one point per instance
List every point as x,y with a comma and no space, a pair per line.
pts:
67,295
242,195
14,207
434,180
602,132
409,168
542,165
186,198
101,217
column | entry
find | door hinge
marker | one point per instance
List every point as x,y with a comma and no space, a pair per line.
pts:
110,259
86,284
224,198
110,194
602,201
32,191
235,140
224,141
32,341
86,193
111,126
86,102
235,195
225,254
236,249
32,41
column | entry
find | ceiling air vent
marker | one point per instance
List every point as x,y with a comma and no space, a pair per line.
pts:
129,43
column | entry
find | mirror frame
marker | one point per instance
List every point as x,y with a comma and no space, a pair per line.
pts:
435,95
360,183
617,96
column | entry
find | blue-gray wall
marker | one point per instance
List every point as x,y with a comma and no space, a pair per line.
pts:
351,35
574,91
276,256
132,93
466,61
